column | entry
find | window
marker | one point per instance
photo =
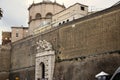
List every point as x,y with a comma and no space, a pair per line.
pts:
38,16
59,23
67,20
16,34
63,22
49,15
82,8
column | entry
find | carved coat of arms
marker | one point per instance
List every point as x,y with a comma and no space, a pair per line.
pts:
43,45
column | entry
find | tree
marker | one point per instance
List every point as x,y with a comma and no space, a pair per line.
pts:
1,14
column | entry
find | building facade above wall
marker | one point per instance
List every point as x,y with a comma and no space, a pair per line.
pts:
19,33
41,13
6,37
71,13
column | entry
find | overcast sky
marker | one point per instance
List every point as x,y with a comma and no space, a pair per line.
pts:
16,13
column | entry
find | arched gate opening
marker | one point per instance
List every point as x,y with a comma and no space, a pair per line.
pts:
42,65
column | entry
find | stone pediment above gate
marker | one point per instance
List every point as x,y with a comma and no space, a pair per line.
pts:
43,45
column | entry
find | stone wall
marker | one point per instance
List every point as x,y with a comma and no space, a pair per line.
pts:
4,62
23,59
87,68
95,34
23,74
92,36
23,54
23,51
88,46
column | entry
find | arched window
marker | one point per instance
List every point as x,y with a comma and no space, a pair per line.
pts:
49,15
59,23
38,16
63,22
67,20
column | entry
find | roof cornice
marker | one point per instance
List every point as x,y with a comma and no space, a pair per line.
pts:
54,3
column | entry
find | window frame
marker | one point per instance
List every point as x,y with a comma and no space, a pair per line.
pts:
37,16
17,34
82,8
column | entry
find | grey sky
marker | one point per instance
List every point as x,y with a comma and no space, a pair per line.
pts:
16,13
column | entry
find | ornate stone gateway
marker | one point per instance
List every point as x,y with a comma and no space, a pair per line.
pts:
45,59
